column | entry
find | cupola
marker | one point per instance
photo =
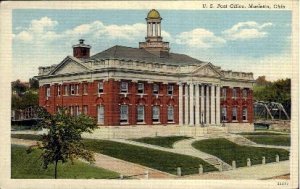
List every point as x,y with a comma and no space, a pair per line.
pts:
81,50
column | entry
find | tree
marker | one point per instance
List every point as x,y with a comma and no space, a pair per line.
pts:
33,83
63,141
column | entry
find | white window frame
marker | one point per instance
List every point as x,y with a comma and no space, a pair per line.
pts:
224,114
245,114
140,109
124,87
72,89
100,87
58,90
156,114
100,114
124,111
141,88
224,92
245,93
66,90
76,89
48,91
85,88
170,114
155,88
85,109
234,93
234,111
170,89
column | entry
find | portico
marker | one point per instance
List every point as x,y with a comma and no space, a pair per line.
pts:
201,104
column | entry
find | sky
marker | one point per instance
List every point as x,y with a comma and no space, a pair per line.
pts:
248,41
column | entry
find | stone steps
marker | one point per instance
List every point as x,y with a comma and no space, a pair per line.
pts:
218,164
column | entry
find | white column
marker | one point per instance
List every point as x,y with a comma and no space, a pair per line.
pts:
148,29
156,31
197,105
218,120
207,105
202,104
159,30
151,29
213,103
186,105
191,104
180,104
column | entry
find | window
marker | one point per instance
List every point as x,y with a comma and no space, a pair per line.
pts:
245,93
77,89
66,91
224,114
101,114
72,89
155,113
74,110
124,114
140,113
85,109
58,90
155,88
141,88
245,114
85,88
234,114
170,89
124,87
48,91
170,114
234,92
100,87
224,91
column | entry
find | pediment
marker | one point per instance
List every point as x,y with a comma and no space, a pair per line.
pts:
68,65
207,70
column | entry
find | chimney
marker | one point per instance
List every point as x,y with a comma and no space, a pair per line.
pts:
81,50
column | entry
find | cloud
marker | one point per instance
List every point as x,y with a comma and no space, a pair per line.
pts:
38,31
246,31
199,38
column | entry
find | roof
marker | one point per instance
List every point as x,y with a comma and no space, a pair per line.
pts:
137,54
153,14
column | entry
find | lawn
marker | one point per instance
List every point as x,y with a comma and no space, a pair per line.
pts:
269,138
27,136
161,141
156,159
229,151
29,166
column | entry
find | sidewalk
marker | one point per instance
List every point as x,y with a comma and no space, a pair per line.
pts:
255,172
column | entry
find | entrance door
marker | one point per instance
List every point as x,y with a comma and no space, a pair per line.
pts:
101,114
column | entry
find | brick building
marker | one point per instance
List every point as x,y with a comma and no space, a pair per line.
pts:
147,85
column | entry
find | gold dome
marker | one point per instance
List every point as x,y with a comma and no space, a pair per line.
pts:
153,14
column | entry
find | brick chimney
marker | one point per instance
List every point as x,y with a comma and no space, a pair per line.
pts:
81,50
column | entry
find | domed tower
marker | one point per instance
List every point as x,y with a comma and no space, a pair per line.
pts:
81,50
154,43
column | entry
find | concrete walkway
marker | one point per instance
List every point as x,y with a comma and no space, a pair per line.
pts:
256,172
183,147
120,166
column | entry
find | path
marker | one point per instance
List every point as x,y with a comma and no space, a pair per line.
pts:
120,166
183,147
256,172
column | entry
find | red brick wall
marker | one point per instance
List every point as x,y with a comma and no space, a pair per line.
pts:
111,99
239,102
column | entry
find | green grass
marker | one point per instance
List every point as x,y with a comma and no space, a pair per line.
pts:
276,140
269,138
229,151
29,166
156,159
161,141
27,136
262,133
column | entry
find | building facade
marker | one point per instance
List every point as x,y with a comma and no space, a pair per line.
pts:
147,85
